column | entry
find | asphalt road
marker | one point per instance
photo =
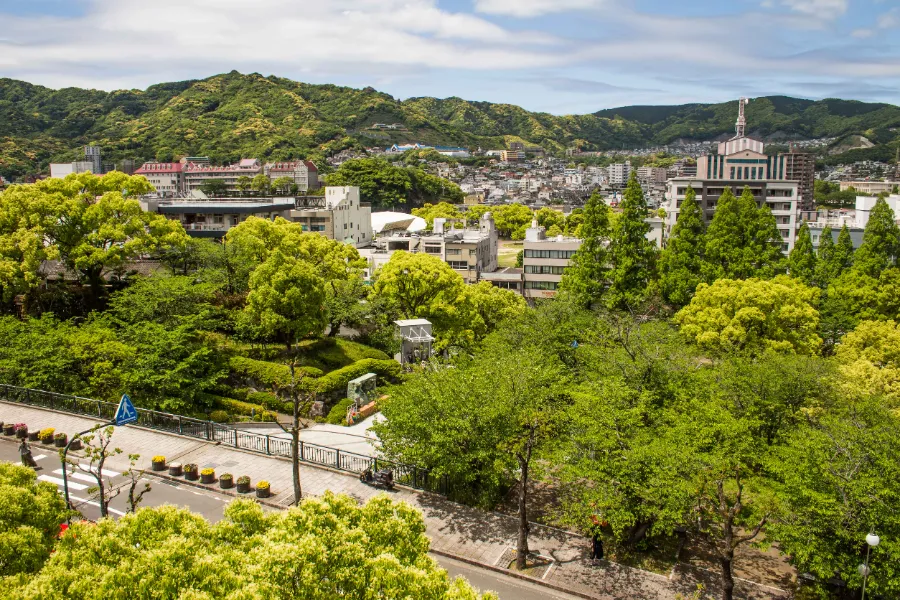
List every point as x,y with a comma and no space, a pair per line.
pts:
212,505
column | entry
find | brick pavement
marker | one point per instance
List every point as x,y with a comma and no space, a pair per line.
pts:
458,531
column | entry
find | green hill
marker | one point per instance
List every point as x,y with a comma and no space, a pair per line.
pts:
232,115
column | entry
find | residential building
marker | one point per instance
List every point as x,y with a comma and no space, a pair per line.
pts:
855,220
92,155
60,170
196,174
303,173
340,216
652,174
544,260
213,218
801,167
619,173
869,187
741,162
167,178
512,155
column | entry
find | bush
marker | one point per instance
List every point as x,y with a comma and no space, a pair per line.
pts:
159,459
262,485
59,436
190,468
266,416
243,479
339,353
208,471
220,416
338,413
46,434
338,380
225,476
269,374
267,400
236,406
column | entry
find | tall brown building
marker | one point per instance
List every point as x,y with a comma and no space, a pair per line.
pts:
801,167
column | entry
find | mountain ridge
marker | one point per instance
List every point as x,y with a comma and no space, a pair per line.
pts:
231,115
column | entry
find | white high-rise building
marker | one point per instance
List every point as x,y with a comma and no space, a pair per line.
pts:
619,173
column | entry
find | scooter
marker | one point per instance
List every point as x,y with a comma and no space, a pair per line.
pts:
379,479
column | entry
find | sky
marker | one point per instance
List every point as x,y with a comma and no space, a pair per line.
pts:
557,56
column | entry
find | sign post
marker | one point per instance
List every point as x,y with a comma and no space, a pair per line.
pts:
125,414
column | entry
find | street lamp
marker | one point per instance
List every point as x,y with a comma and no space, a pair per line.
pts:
872,540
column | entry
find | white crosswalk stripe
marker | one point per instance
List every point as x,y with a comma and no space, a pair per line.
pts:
97,504
73,485
78,476
40,456
87,469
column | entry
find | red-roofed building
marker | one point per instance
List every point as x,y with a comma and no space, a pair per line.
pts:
303,173
167,178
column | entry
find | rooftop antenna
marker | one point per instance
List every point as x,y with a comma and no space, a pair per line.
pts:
741,124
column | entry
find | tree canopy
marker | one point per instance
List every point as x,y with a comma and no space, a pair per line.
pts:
388,186
681,261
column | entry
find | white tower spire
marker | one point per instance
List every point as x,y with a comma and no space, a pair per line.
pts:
741,124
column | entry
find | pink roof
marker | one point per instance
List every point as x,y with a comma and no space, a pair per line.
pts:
290,166
311,166
155,167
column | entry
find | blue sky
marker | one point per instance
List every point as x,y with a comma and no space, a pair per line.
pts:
559,56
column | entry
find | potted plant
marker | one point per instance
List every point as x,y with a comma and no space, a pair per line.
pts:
60,440
33,436
46,435
175,469
9,429
158,463
190,472
262,489
225,481
243,484
208,475
21,431
76,444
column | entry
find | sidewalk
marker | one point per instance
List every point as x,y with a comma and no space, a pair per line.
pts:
461,532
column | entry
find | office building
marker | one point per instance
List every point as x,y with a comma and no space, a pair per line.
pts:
741,162
869,187
92,155
801,167
544,260
512,156
60,170
167,178
213,218
339,215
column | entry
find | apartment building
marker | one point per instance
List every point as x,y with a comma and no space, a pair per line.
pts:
213,218
869,187
650,175
195,175
303,173
619,173
801,167
741,162
166,177
544,261
512,156
339,215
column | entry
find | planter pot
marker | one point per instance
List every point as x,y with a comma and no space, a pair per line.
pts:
263,492
9,430
175,469
32,436
21,433
61,443
243,488
158,466
226,484
191,475
76,445
211,478
48,441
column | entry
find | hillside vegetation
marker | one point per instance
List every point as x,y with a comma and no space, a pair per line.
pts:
233,115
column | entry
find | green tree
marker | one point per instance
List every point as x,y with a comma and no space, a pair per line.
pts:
802,259
261,184
214,187
164,300
282,184
681,261
327,547
826,269
96,452
632,257
31,512
881,241
286,300
870,361
440,210
844,251
243,184
753,315
511,220
587,274
549,218
493,306
742,240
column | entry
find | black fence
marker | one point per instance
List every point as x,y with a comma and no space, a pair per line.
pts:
408,475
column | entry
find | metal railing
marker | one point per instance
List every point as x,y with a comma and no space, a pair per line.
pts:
314,454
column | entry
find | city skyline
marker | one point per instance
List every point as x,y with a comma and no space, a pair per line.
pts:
561,56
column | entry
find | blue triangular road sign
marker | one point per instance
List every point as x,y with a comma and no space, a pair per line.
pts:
126,412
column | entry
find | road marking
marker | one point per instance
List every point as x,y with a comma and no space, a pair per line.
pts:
72,485
79,476
92,503
87,469
40,456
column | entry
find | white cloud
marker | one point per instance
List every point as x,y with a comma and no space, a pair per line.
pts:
534,8
862,33
890,19
822,9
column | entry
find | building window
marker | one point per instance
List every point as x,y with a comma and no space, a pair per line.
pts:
732,172
544,270
453,251
432,249
557,254
506,285
458,264
541,285
218,219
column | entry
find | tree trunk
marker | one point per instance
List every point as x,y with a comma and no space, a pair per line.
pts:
295,438
638,533
727,576
104,509
522,543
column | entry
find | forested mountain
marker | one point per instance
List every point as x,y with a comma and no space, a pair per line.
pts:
233,115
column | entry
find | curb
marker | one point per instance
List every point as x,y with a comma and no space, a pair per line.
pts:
208,487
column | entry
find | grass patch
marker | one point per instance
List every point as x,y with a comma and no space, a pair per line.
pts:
507,252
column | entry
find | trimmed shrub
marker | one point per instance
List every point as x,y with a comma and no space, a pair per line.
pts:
220,416
338,380
339,353
338,413
237,407
267,400
268,374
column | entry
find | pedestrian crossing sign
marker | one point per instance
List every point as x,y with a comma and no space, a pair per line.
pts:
126,412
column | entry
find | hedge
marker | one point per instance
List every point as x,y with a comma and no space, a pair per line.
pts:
338,352
244,408
268,400
338,380
270,374
338,413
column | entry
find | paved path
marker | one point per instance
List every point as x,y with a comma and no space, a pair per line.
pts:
459,531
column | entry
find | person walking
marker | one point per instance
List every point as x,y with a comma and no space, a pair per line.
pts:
27,458
596,541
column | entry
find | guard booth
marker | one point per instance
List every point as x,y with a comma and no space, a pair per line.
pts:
362,392
416,340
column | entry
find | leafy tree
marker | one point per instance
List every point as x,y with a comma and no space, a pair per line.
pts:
244,184
742,240
511,220
881,241
574,221
587,274
388,186
632,257
870,361
286,300
135,478
195,254
31,512
843,251
440,210
424,286
494,305
282,184
826,268
549,218
164,300
326,548
681,261
261,184
841,481
345,303
753,315
802,260
96,452
214,187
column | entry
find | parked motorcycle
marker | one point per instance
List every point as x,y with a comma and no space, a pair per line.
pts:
380,479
